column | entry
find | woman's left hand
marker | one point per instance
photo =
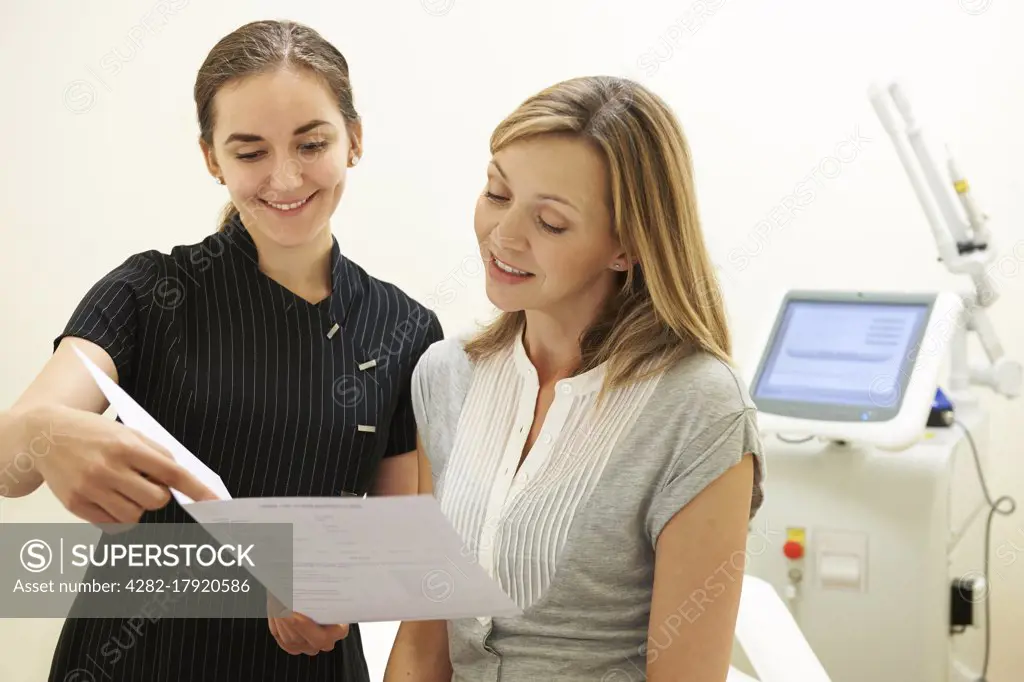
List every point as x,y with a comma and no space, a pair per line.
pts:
299,634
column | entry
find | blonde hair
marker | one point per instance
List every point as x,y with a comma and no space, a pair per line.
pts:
669,305
261,47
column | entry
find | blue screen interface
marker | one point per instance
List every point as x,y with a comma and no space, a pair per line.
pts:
839,353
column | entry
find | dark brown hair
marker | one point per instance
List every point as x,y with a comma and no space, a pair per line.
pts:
262,47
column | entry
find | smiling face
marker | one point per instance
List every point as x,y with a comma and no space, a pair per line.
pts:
282,148
545,215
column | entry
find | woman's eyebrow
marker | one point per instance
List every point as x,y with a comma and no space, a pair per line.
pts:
548,197
250,137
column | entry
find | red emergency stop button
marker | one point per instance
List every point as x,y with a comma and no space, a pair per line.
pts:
793,549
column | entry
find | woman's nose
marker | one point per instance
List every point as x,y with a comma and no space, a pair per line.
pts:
286,177
507,235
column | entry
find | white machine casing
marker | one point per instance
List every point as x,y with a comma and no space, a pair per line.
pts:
884,534
907,426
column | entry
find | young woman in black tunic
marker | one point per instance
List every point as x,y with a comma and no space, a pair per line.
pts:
252,348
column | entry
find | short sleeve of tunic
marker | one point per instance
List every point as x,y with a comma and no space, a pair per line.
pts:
114,313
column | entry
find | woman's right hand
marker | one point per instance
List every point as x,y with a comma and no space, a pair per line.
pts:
105,472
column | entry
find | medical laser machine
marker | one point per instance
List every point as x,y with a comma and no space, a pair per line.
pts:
876,521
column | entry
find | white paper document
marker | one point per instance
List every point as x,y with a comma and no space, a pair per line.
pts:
134,417
372,559
354,559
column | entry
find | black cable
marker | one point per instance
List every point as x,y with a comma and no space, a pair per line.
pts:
995,507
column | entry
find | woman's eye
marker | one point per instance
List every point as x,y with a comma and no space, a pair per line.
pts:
550,228
495,197
309,147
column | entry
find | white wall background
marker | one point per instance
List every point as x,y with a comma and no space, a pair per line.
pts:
102,161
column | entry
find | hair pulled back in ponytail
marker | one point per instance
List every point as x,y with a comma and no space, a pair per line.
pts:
262,47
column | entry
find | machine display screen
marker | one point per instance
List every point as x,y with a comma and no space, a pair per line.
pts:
846,360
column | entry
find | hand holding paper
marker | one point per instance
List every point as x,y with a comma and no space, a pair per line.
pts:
105,473
134,417
354,559
297,634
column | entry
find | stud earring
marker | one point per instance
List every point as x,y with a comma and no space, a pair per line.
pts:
617,266
355,159
220,181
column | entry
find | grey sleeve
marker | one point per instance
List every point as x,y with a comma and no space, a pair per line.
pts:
708,455
438,387
419,392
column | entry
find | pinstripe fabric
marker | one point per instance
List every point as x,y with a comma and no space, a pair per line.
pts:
250,378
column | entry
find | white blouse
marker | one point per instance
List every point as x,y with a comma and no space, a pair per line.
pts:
517,523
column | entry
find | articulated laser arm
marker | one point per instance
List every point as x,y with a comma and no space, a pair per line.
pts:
964,245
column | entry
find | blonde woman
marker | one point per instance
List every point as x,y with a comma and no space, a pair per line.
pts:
593,445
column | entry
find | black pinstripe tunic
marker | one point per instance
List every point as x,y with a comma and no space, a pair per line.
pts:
249,377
